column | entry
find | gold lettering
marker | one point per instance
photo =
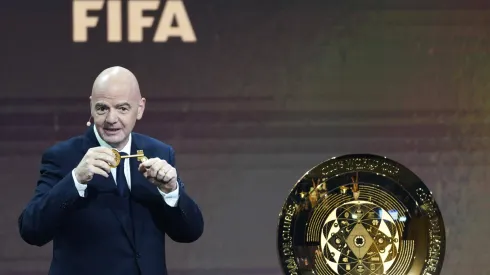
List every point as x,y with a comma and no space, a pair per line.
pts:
287,241
434,231
82,21
174,11
359,164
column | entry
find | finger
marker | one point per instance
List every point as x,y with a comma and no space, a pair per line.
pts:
150,167
147,176
98,163
167,168
161,174
108,156
169,172
97,170
150,162
103,150
141,168
172,174
107,159
104,154
156,168
101,164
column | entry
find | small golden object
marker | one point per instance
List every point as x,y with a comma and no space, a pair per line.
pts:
140,155
355,186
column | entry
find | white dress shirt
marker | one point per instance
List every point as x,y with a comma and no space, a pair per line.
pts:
170,198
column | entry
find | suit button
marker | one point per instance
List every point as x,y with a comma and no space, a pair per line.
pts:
138,255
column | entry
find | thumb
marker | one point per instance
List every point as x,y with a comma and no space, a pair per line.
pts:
141,168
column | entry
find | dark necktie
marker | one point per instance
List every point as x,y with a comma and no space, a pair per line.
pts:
122,184
124,192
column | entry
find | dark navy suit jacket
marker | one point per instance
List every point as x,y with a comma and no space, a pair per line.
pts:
92,235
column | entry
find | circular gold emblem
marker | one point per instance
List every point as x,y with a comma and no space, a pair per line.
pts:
361,215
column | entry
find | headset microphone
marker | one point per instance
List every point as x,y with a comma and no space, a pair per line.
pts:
88,122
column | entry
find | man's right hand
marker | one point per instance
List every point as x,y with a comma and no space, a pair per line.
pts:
95,161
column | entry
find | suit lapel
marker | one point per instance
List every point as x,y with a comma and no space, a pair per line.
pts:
144,193
122,210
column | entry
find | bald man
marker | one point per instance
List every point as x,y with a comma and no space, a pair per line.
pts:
105,219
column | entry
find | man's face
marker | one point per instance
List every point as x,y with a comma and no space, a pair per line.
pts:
115,111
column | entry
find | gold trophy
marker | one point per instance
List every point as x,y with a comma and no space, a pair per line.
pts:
360,215
140,155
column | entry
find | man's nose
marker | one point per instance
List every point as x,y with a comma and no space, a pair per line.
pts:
111,117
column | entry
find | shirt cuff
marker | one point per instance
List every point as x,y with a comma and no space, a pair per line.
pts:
170,198
80,187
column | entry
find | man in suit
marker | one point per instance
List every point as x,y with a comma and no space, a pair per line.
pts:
107,220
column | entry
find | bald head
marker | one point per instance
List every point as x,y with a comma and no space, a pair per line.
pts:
116,104
116,81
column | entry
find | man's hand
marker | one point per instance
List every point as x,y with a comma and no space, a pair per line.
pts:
95,161
160,173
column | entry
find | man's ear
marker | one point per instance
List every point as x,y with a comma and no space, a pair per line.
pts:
141,108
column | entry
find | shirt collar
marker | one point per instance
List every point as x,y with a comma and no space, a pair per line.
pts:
126,149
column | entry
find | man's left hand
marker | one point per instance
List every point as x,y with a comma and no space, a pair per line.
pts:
160,173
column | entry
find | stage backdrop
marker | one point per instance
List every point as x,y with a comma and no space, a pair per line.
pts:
267,90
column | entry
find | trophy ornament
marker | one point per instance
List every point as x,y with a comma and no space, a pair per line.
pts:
140,156
360,214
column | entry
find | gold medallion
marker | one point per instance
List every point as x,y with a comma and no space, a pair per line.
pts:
361,215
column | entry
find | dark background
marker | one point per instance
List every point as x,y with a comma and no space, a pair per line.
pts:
270,89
